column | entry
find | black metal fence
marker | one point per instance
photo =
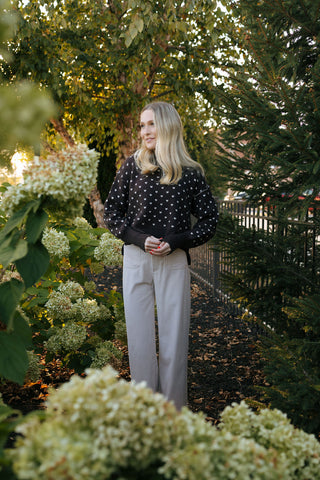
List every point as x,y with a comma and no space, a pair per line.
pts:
208,264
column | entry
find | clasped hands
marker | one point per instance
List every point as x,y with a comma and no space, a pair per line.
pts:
156,246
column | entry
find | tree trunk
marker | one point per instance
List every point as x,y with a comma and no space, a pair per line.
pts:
97,206
94,196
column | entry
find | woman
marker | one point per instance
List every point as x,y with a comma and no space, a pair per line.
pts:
149,207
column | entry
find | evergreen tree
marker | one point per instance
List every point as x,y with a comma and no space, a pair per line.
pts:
269,147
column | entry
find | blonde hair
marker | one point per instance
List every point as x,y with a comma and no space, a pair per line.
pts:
170,153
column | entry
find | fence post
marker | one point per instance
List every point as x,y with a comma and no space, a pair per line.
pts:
215,271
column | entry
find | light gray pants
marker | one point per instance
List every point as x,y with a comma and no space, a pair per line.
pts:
165,282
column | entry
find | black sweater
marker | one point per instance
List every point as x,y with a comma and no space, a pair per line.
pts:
139,206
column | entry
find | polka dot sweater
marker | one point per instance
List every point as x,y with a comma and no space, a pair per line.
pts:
139,206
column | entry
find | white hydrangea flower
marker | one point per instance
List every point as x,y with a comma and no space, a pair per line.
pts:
273,430
59,306
109,250
71,289
98,428
66,339
81,222
63,180
105,353
89,311
67,303
90,286
56,243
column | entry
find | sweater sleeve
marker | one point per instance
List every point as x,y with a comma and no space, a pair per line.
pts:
116,208
204,209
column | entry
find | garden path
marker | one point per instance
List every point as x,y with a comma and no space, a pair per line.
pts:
224,362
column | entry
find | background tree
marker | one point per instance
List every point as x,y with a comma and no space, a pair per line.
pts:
104,60
270,148
23,109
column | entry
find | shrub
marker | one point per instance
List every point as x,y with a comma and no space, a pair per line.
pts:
99,428
62,180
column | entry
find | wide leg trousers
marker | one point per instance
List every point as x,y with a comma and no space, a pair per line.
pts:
164,282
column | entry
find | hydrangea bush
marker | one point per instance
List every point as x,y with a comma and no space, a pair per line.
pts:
82,327
56,243
63,180
109,250
99,428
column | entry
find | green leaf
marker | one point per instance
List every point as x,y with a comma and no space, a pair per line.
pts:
34,264
10,294
22,329
13,357
10,252
139,24
9,418
17,218
36,222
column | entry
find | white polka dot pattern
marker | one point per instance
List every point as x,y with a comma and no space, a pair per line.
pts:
139,206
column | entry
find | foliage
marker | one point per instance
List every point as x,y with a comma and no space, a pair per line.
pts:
9,419
32,276
20,244
124,54
23,108
270,144
62,181
98,427
263,271
71,320
206,156
293,365
269,147
22,250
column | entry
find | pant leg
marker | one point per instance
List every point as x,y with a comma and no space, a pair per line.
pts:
138,297
172,288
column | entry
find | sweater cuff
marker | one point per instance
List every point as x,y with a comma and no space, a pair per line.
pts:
135,237
178,240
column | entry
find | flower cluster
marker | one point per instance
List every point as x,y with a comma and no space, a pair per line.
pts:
59,306
98,428
81,222
71,289
68,303
56,243
8,275
109,250
68,338
63,180
272,429
105,354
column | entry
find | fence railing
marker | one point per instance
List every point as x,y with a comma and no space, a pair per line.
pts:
208,264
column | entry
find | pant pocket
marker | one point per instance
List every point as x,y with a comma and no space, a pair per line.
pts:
132,256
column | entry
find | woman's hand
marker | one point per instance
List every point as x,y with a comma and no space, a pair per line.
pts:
151,243
155,246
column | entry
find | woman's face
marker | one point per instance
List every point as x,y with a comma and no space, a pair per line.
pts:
148,129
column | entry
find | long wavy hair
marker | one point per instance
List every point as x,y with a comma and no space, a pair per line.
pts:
170,154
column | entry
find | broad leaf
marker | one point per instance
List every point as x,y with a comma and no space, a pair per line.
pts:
13,357
22,330
36,222
10,251
34,264
18,217
10,294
